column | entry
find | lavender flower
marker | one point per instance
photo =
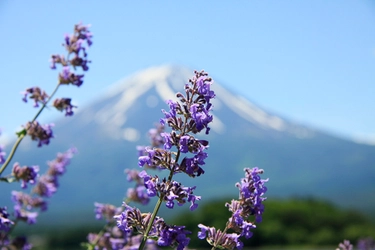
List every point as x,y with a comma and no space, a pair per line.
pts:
24,215
25,174
64,104
117,240
249,204
58,59
68,77
251,191
37,94
102,241
5,223
74,45
187,117
57,167
169,191
133,175
28,201
106,211
219,239
20,242
155,135
4,239
46,186
2,154
39,132
167,235
345,246
366,244
138,194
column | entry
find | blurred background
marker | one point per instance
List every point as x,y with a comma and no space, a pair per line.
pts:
308,63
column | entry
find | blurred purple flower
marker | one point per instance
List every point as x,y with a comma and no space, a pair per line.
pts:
58,165
46,186
106,211
5,223
37,94
345,245
2,154
174,236
138,194
64,104
25,174
38,132
24,215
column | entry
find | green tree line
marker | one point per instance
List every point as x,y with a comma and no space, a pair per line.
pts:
297,222
290,222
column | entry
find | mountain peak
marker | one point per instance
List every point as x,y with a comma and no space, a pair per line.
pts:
157,84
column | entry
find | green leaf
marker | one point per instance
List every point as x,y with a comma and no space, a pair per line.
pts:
22,133
8,179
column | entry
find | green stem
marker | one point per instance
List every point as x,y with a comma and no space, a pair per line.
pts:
156,209
98,236
22,134
149,226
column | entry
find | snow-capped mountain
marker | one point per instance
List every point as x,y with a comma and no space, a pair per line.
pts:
157,84
298,160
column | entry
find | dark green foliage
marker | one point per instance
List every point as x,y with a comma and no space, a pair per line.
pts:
298,222
305,221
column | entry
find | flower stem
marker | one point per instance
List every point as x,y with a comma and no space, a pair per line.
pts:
22,134
149,226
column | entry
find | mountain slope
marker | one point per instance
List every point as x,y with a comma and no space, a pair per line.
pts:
297,159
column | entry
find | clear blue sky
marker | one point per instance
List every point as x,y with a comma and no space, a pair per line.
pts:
310,61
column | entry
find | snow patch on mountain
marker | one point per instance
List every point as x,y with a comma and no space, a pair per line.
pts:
167,80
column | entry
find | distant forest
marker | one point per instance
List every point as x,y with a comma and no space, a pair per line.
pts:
294,222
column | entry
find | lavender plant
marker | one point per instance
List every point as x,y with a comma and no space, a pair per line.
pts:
26,204
175,152
249,204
